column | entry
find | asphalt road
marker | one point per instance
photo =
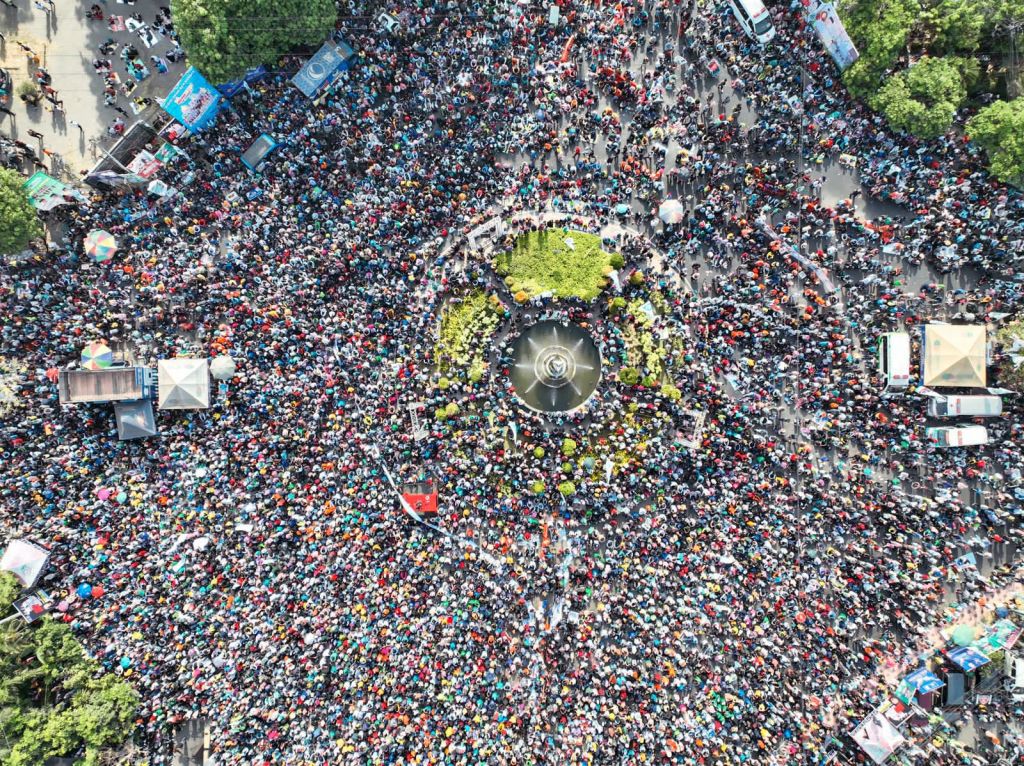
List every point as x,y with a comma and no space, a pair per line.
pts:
66,43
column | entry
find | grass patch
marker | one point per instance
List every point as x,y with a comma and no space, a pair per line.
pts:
466,330
568,264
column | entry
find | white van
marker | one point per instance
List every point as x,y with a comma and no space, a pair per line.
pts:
957,436
894,359
754,19
974,406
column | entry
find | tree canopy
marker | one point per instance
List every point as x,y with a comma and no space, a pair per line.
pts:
999,130
224,38
54,700
19,223
918,58
924,98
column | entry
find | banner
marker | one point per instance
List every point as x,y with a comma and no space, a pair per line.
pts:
425,505
25,561
830,30
34,605
193,101
46,192
145,164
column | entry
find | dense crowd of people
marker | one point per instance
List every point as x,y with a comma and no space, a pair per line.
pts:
727,597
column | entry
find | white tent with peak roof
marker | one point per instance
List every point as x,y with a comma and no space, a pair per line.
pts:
953,355
184,384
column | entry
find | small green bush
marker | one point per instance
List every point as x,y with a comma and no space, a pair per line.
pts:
568,447
567,488
537,487
452,409
443,384
538,452
636,278
629,376
617,261
671,392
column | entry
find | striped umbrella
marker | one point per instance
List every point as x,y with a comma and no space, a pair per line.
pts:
97,356
100,245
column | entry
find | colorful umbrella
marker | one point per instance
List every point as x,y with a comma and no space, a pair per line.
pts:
97,356
100,245
671,211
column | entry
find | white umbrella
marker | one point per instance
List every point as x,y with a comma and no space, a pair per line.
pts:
223,367
671,211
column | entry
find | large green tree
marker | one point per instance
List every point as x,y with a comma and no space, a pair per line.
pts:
999,130
224,38
880,29
19,223
54,700
924,98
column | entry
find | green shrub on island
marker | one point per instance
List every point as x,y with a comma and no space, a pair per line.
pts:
567,264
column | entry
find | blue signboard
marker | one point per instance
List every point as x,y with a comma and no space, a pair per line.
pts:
193,101
331,58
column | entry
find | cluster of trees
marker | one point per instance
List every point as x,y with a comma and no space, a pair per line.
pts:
225,38
19,223
54,700
921,60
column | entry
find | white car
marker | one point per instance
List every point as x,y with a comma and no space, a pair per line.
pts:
754,19
388,24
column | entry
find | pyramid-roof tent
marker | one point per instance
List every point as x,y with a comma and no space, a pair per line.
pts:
953,355
184,384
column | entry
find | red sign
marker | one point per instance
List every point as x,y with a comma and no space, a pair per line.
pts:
423,504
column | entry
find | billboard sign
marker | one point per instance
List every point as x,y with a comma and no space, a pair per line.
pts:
193,101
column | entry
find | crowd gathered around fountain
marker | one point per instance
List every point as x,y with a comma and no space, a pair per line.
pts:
726,592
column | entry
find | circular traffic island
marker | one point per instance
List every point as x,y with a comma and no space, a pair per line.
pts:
555,367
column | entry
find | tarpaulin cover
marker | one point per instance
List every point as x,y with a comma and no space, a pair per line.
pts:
953,355
25,561
134,420
877,737
1003,634
967,658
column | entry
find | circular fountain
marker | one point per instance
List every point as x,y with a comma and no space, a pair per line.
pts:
555,367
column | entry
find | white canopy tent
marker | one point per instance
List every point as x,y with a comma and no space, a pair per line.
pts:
953,355
184,384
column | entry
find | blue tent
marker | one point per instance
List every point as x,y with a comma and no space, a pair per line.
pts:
253,157
923,681
967,658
